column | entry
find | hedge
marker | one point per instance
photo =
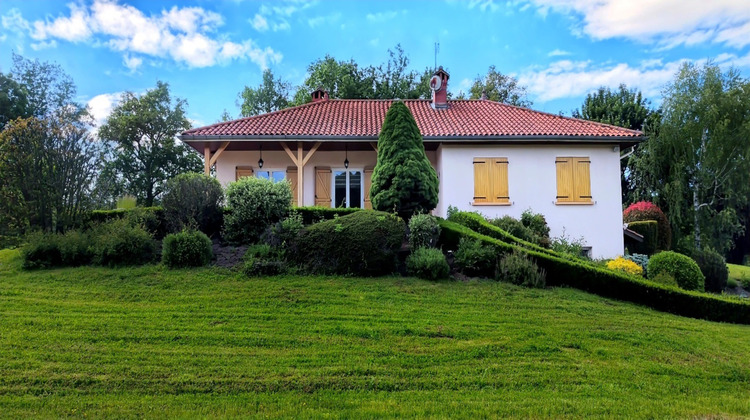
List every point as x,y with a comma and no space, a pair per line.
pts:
650,231
607,283
151,217
312,214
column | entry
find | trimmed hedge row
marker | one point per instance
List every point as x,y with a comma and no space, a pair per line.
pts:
313,214
152,218
603,282
650,231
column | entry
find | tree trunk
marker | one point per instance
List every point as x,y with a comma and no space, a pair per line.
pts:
696,228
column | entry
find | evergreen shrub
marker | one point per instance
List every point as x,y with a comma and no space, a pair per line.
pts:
189,248
45,250
423,231
650,231
538,225
641,260
517,268
684,270
427,263
119,242
194,201
714,268
315,214
644,210
475,259
364,243
255,204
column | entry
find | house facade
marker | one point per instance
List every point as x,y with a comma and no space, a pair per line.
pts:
492,158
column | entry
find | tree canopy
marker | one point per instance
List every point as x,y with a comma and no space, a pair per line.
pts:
499,87
271,95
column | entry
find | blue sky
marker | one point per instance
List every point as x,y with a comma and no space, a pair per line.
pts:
209,50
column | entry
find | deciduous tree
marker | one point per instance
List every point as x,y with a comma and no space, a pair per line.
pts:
271,95
499,87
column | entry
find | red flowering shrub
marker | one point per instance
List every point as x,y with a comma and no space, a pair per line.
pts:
645,210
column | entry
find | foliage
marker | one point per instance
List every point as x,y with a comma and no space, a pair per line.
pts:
193,200
538,225
120,242
313,214
740,273
645,210
696,164
127,202
285,232
732,283
567,246
684,270
14,101
641,260
264,260
189,248
475,259
626,266
517,268
255,204
714,269
501,88
650,231
271,95
518,229
364,243
403,180
665,278
584,275
46,250
424,231
141,131
427,263
151,218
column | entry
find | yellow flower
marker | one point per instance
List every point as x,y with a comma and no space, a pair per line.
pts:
627,266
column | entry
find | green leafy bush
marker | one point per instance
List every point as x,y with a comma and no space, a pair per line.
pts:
151,218
644,210
517,268
475,259
75,248
427,263
285,232
45,250
684,270
313,214
665,279
189,248
516,228
567,246
264,260
538,225
119,242
650,231
194,201
364,243
641,260
255,205
714,268
584,275
423,231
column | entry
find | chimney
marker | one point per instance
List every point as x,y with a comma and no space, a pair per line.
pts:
319,95
439,86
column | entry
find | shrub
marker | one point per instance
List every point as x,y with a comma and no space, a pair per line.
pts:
75,248
427,263
644,210
650,231
284,232
665,279
641,260
126,202
45,250
423,231
568,246
732,283
364,243
585,276
189,248
626,266
538,225
516,228
314,214
517,268
255,204
475,259
193,200
714,268
263,260
403,180
684,270
119,242
151,218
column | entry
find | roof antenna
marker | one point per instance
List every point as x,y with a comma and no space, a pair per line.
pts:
437,50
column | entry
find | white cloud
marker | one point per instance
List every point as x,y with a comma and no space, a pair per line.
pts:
323,20
259,23
185,35
37,46
381,16
565,79
666,22
558,53
100,106
484,5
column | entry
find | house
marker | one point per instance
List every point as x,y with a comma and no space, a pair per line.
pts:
490,157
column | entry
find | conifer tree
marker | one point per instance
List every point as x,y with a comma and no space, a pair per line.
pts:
403,179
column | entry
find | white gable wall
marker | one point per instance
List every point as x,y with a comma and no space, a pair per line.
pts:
532,183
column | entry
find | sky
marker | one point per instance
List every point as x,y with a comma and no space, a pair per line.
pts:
209,50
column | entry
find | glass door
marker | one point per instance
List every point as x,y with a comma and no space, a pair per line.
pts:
347,188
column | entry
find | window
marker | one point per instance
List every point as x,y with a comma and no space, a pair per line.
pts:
491,181
573,180
275,176
347,188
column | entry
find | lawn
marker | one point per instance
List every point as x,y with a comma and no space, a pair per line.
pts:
150,342
740,273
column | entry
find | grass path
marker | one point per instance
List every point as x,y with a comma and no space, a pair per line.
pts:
149,342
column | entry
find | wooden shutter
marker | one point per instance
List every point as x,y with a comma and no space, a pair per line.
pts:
481,180
367,182
499,174
242,171
322,186
291,176
565,189
582,179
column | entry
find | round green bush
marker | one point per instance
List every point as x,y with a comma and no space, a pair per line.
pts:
518,269
365,243
714,268
423,231
427,263
119,242
475,259
189,248
684,270
254,205
193,200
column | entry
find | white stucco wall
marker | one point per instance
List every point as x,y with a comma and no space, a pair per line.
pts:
532,183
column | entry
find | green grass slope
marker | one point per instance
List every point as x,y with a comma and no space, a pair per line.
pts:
149,342
740,273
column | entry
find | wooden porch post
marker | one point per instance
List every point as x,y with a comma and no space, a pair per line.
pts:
207,159
300,162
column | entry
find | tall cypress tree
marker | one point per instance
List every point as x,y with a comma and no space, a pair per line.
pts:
403,179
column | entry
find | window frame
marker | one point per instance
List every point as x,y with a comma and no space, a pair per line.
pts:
270,173
348,187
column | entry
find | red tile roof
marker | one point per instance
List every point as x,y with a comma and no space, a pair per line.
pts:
363,118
